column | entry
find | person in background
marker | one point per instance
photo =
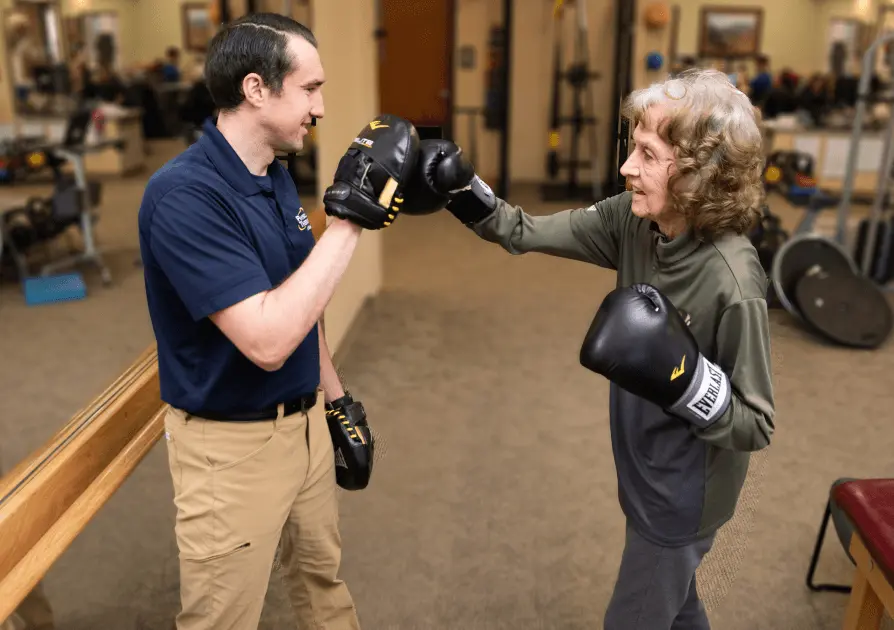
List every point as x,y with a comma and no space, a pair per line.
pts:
25,54
783,95
78,69
815,97
170,69
762,83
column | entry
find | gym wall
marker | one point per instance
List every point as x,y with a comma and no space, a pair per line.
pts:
532,79
352,100
794,32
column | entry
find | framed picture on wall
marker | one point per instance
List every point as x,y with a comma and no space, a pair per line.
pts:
197,27
730,32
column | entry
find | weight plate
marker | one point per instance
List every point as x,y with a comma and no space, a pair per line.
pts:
797,256
847,309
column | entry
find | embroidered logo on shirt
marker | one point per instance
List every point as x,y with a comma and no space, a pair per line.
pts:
303,221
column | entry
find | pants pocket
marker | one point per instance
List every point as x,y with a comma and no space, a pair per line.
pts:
218,555
229,444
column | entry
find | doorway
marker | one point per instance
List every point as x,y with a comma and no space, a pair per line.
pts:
416,61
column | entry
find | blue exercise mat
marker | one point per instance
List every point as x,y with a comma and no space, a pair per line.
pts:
52,289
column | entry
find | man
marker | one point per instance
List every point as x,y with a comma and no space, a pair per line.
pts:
684,339
236,287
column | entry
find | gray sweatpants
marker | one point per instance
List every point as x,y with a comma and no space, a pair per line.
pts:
656,589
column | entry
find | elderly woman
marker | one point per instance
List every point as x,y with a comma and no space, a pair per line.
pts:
684,338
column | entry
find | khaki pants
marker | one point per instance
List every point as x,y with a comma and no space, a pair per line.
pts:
242,489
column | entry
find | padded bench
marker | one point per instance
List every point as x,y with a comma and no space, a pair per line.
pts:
869,505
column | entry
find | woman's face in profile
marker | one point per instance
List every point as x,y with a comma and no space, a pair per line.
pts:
649,167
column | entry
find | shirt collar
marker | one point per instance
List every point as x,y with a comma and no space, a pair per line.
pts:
230,165
674,250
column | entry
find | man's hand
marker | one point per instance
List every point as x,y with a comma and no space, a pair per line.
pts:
352,441
371,176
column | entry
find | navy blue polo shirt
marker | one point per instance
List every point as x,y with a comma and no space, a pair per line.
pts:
211,235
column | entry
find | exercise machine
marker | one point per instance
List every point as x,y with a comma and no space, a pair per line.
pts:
73,202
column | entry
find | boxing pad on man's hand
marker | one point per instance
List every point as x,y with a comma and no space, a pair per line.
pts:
372,175
639,341
352,442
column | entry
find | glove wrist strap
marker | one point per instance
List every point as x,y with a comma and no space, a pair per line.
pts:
340,403
706,398
472,203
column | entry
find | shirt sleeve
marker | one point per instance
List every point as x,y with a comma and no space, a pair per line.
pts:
587,234
203,252
743,353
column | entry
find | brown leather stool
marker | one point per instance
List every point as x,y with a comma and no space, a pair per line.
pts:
869,504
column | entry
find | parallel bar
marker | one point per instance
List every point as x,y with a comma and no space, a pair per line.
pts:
46,500
16,585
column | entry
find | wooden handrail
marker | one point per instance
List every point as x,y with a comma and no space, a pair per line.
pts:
48,499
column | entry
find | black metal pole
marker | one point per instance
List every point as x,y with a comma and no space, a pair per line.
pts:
503,184
224,11
622,84
252,6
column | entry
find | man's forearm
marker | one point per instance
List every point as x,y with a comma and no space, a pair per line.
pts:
329,379
292,309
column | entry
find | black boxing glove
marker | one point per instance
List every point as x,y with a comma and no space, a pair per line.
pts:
441,168
352,442
639,341
371,176
445,178
472,203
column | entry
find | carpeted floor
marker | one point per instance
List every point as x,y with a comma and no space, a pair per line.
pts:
494,501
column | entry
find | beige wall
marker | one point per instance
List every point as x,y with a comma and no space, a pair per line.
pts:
794,35
794,32
351,102
531,80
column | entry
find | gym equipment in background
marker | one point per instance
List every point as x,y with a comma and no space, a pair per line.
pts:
813,277
622,85
581,121
471,114
73,202
881,199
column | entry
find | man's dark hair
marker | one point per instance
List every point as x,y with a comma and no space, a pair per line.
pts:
256,43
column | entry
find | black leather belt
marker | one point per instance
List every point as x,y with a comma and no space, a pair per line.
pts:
297,405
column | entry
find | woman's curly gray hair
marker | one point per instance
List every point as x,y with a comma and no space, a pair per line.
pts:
715,134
